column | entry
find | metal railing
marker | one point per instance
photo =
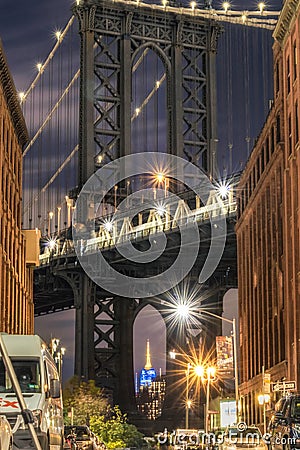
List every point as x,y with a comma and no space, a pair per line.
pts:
110,233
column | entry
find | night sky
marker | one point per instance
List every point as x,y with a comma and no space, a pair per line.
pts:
27,33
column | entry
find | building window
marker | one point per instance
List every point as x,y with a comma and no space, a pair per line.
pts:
288,70
267,150
277,129
263,160
296,123
272,140
290,135
277,77
295,60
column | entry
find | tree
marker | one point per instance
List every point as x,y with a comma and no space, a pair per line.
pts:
115,432
86,399
91,406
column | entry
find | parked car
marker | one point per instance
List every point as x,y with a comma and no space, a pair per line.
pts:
5,434
84,438
235,439
284,426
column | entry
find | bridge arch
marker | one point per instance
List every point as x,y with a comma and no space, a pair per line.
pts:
151,73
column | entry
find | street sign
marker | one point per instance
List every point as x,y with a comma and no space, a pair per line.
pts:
284,386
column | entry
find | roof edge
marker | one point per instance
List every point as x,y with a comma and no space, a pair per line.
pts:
12,101
287,15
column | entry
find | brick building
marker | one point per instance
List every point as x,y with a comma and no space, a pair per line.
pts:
268,232
287,36
16,301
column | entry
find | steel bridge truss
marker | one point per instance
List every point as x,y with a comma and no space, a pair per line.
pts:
113,38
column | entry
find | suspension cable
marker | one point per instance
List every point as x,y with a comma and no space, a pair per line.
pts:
52,179
148,98
39,131
50,56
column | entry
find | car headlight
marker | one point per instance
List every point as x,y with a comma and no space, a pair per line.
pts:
37,417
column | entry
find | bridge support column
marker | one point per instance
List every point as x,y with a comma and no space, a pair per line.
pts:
212,101
84,328
125,89
86,152
124,314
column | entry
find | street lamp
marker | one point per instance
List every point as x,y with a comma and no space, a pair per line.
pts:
211,374
263,399
50,217
58,218
206,374
69,203
57,352
161,178
234,338
188,402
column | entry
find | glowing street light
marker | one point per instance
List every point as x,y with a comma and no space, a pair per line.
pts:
188,401
199,371
226,6
183,310
224,189
160,177
58,218
261,7
58,35
108,225
206,374
57,352
263,399
21,96
234,338
51,244
161,211
69,202
193,5
50,217
244,18
209,375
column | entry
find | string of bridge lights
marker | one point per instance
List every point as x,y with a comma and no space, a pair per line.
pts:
232,16
60,35
226,14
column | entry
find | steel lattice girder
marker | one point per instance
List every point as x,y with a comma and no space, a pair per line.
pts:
186,47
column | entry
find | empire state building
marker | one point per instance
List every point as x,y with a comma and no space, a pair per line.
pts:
152,389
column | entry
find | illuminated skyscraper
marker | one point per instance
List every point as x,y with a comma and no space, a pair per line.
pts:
147,374
151,393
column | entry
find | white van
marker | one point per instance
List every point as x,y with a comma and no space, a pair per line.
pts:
39,382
